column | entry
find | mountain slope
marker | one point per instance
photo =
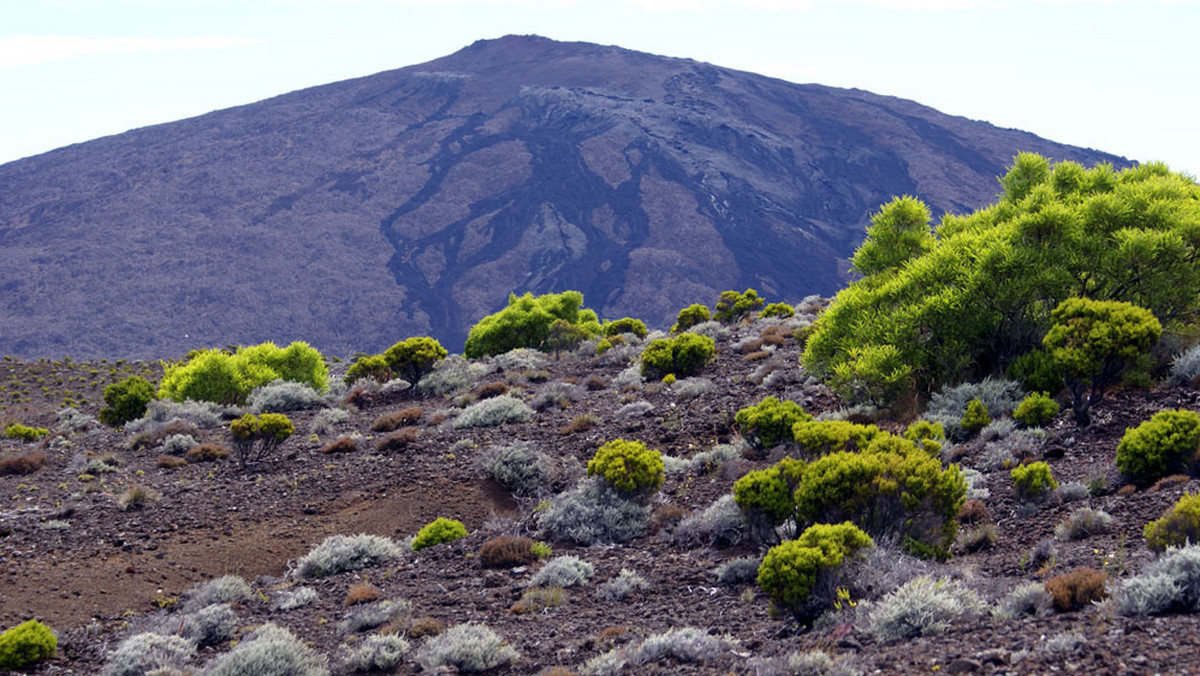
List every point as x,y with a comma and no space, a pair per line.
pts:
413,201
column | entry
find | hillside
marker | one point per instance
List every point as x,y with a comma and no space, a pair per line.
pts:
414,201
99,573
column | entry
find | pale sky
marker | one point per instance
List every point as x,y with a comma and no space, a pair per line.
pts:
1115,75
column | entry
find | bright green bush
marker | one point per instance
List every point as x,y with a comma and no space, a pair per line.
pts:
413,358
765,495
1036,371
975,417
255,438
438,531
732,306
23,646
628,466
224,378
526,321
907,494
689,317
769,422
1033,482
25,433
969,298
1165,444
789,571
126,400
875,374
1036,410
372,366
1091,341
928,435
1178,527
821,437
625,325
781,310
682,355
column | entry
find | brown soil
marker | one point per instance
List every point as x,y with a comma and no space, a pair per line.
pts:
96,573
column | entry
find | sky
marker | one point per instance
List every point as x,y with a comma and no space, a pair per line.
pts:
1115,75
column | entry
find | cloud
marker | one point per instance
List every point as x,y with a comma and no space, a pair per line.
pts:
26,50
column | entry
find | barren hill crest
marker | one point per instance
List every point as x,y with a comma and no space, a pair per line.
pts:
414,201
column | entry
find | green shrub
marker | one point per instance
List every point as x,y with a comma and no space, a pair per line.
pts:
1033,482
1037,372
1178,527
373,366
411,359
342,553
1163,445
928,435
972,297
255,438
765,495
975,417
822,437
526,321
438,531
782,310
126,400
625,325
885,492
790,570
23,646
223,378
1036,410
875,375
769,422
628,466
732,306
25,433
682,355
689,317
1091,341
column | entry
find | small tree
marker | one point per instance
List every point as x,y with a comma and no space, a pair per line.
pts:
690,316
526,321
732,306
563,336
126,400
256,437
413,358
372,366
1091,341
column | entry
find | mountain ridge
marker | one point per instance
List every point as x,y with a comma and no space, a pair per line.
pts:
414,200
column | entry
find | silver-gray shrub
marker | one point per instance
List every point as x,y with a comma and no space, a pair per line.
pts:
1027,598
203,414
622,586
563,571
946,406
341,553
520,359
1083,523
494,411
556,395
395,386
997,429
1003,453
1185,367
884,568
1073,491
282,396
468,647
688,644
704,461
178,444
634,410
376,653
452,374
1064,643
142,653
290,599
591,513
687,389
922,606
797,663
325,419
710,328
224,589
270,650
976,484
1170,583
371,615
741,570
209,625
520,467
70,419
720,524
619,355
630,377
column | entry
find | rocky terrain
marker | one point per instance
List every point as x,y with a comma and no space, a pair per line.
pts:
78,554
412,202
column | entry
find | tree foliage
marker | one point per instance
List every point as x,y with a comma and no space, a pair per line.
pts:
256,437
224,378
681,356
526,322
732,306
978,293
126,400
412,358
